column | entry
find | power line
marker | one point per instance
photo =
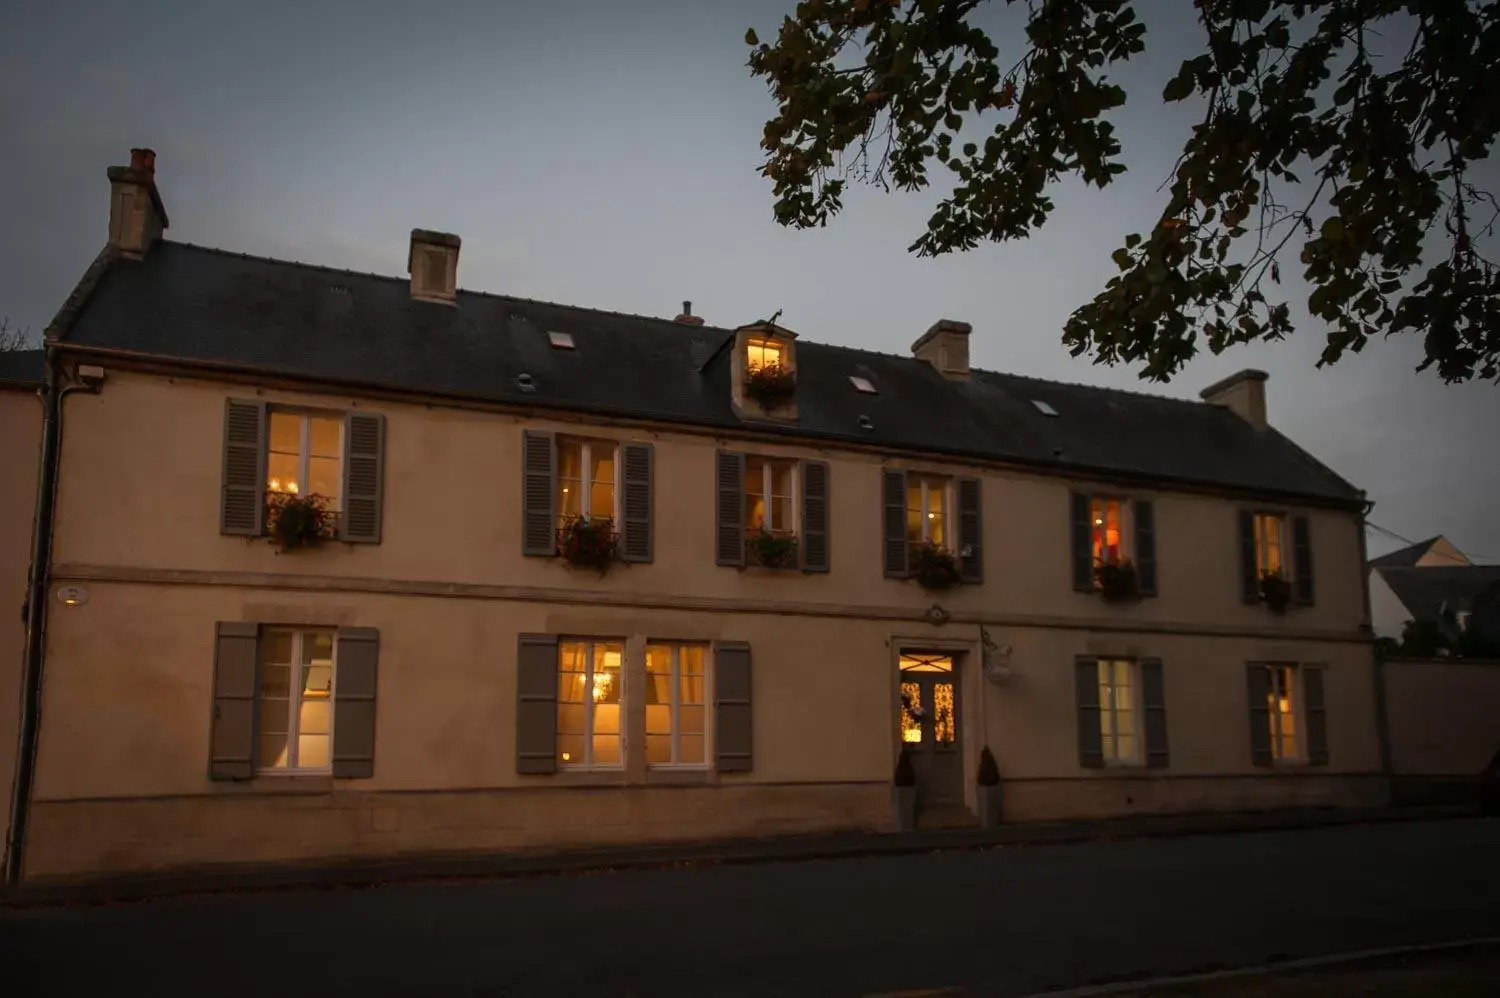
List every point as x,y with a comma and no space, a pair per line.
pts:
1471,559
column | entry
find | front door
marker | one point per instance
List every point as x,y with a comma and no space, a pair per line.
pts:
929,729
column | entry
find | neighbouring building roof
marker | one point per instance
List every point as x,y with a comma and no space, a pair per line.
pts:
1405,557
1425,591
21,368
209,306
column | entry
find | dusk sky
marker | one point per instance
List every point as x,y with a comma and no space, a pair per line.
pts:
605,154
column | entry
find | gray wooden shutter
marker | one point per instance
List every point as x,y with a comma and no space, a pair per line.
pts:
893,499
1302,559
1258,684
815,550
538,494
1316,715
242,507
1145,546
357,665
1090,737
1249,576
1154,703
364,477
733,731
970,531
231,754
1083,547
729,507
636,463
536,703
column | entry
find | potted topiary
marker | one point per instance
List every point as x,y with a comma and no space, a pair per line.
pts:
1116,580
296,521
770,385
934,566
588,543
904,793
771,550
988,780
1275,592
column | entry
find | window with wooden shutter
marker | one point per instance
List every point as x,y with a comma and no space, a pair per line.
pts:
893,520
1249,572
232,732
636,502
1316,715
1302,559
729,508
1154,709
733,729
1086,693
364,477
1258,690
357,659
1145,546
815,543
242,505
538,480
970,531
536,703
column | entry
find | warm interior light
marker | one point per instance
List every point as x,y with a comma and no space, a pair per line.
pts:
71,599
567,756
1099,521
275,485
291,486
601,686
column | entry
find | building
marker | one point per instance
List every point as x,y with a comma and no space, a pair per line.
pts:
819,555
1428,580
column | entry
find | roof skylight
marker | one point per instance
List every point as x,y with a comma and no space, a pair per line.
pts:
561,340
862,384
1043,408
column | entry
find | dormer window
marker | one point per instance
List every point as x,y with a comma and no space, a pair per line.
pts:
764,373
761,352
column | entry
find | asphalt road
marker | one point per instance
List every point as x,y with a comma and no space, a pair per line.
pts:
1008,921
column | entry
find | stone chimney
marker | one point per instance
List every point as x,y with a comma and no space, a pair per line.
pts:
945,346
136,214
432,262
687,317
1244,394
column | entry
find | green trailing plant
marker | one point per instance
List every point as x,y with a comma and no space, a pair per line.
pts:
1275,592
934,567
1117,580
772,550
588,543
770,385
989,773
297,521
906,774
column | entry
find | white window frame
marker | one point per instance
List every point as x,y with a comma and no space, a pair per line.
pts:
589,646
1110,741
1098,522
1299,723
585,479
674,679
930,484
294,701
304,450
1262,547
767,471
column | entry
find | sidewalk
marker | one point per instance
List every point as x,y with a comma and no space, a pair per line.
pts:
365,872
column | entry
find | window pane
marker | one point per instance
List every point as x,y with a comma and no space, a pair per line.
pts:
324,435
690,750
691,659
569,479
602,500
606,750
324,475
278,646
913,494
281,473
935,498
658,719
690,689
606,719
1114,529
286,432
570,687
570,749
914,526
1125,748
317,681
312,751
1122,673
944,728
273,750
314,718
781,479
911,699
276,681
602,481
937,529
317,647
570,718
1124,720
691,718
781,516
658,749
755,512
1106,723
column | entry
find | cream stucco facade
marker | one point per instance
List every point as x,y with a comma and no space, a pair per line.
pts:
123,778
20,441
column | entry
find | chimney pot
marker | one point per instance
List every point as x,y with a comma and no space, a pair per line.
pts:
687,317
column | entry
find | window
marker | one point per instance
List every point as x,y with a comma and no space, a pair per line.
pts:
1044,408
562,341
588,703
769,497
1108,529
1282,704
294,722
1270,544
306,455
862,384
1117,711
926,510
762,352
585,480
675,705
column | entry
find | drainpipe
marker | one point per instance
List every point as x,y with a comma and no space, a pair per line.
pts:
38,586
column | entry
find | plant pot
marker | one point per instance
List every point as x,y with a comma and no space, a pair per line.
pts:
988,800
904,808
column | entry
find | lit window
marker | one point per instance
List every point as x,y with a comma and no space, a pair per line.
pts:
306,455
675,706
585,480
862,384
1107,527
562,340
769,499
588,703
1281,704
294,716
926,510
1043,408
928,707
1270,551
1117,711
761,352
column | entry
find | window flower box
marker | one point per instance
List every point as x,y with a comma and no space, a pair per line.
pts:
1275,592
588,543
770,385
934,567
297,521
772,550
1117,581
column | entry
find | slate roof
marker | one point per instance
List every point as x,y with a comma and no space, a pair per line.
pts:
21,368
1425,590
196,304
1406,557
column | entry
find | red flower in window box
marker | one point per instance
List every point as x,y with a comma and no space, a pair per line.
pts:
588,543
1275,592
1117,580
770,385
296,521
